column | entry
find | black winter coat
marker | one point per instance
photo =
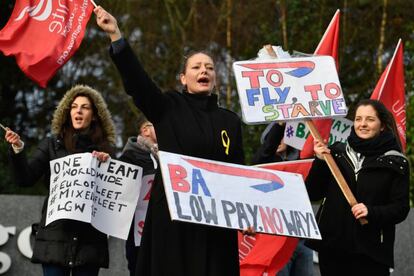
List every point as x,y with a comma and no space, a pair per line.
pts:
382,185
187,124
134,154
63,242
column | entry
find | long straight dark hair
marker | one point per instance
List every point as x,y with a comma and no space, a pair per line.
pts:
95,131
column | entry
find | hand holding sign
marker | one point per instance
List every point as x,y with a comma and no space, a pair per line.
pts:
320,148
101,156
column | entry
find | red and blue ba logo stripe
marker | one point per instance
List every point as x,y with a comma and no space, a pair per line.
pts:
275,181
302,68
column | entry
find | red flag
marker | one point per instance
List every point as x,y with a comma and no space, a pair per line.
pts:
329,46
390,90
264,253
268,253
44,34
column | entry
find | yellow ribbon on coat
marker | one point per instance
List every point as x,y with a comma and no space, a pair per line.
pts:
225,139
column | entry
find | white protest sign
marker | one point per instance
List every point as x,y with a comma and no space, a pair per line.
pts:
103,194
289,89
234,196
296,132
142,207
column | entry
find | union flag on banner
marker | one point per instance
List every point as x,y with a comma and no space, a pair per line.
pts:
390,90
44,34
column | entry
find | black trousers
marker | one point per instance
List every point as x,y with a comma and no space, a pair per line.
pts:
339,263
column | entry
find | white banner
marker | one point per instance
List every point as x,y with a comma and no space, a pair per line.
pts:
289,89
103,194
296,132
234,196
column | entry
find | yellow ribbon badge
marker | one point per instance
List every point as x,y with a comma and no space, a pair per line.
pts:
225,139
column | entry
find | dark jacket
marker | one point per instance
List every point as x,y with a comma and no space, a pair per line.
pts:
382,184
271,138
133,153
63,242
139,155
191,125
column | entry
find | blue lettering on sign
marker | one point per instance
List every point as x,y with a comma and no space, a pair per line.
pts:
253,95
198,180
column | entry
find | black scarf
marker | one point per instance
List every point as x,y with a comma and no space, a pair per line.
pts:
83,143
377,145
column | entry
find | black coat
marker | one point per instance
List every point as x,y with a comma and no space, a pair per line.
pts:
272,137
134,154
382,185
191,125
63,242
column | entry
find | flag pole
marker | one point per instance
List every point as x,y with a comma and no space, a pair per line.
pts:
3,127
94,4
328,157
335,170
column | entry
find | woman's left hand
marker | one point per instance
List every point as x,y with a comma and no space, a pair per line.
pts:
100,155
360,210
249,231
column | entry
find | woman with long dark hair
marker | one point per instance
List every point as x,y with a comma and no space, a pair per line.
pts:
81,123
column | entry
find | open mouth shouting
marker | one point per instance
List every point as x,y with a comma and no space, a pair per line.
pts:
204,81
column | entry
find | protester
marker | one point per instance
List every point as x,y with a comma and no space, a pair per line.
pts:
189,123
81,123
140,151
273,149
378,175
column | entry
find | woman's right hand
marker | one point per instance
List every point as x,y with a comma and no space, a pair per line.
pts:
320,148
107,23
13,138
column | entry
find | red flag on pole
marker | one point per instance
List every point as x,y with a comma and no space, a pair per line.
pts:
268,253
329,46
44,34
390,90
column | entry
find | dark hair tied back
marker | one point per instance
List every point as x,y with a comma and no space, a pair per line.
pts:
189,54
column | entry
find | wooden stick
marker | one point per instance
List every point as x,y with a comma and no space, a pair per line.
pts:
94,4
327,156
270,51
335,171
3,127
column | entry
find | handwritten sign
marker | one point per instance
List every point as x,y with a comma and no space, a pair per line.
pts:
296,132
142,207
234,196
289,89
103,194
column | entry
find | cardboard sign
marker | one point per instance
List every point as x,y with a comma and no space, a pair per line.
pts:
296,132
103,194
234,196
289,89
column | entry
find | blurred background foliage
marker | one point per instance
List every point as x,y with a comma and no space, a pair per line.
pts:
162,31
